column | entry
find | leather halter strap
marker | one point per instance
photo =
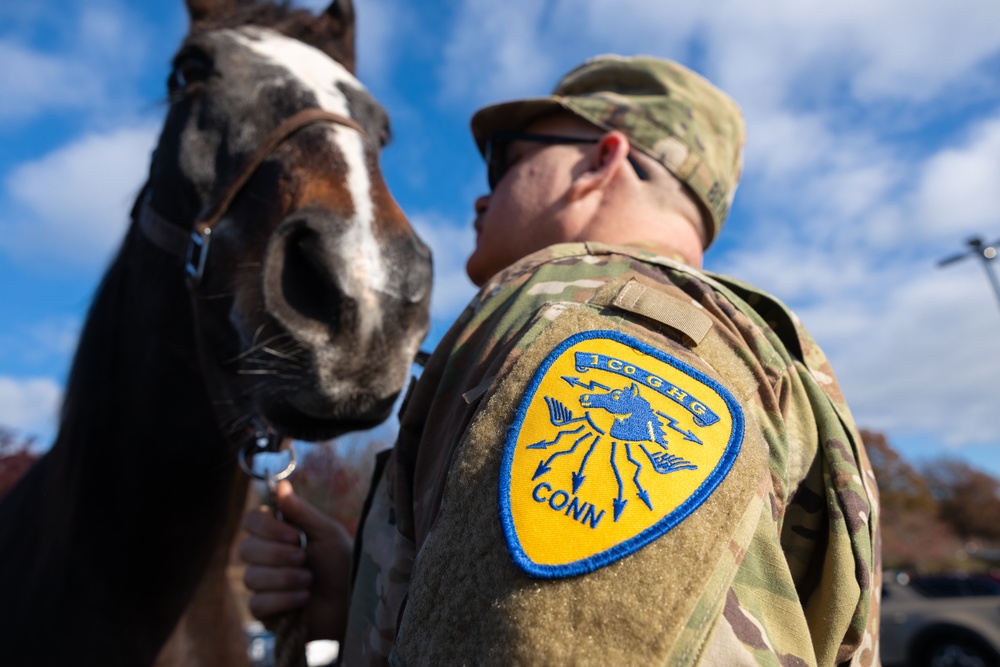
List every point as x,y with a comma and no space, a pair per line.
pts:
192,246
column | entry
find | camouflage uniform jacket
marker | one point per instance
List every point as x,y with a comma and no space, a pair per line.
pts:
775,563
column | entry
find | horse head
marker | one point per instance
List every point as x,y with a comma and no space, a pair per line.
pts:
312,295
634,417
617,401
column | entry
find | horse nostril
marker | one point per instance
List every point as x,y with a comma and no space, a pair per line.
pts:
307,283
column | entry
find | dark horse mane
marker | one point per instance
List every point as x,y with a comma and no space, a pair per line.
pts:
166,463
283,17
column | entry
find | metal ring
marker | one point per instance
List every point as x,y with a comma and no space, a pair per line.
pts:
248,468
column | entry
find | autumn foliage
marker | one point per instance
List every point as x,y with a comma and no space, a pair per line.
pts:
335,476
16,456
931,517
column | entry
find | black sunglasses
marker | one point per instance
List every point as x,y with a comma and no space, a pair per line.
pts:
498,146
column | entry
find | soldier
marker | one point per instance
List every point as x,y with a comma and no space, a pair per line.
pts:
612,457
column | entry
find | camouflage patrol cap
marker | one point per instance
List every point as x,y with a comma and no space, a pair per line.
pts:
668,112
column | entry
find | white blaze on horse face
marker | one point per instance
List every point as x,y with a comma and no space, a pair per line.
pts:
321,75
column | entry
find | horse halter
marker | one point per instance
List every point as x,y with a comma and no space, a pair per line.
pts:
193,246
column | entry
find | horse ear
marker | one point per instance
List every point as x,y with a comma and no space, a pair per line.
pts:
635,389
340,33
199,10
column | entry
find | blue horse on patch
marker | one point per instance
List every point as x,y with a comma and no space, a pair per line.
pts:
636,421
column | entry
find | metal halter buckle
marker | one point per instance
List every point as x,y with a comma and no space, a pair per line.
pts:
197,253
265,440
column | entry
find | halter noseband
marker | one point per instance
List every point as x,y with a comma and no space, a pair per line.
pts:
192,246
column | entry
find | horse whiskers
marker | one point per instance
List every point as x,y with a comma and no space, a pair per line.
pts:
271,382
288,357
270,374
239,423
271,388
256,334
218,296
249,391
270,363
277,366
258,346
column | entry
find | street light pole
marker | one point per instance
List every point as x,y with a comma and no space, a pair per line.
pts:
987,252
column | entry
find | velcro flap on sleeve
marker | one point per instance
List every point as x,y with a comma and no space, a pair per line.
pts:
661,307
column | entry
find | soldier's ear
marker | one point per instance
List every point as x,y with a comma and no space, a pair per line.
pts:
602,164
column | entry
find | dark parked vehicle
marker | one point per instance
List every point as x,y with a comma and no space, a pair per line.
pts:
940,621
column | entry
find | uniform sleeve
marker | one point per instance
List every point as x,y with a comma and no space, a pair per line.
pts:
821,550
570,533
719,518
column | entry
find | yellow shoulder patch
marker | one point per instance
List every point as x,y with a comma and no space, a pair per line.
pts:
614,443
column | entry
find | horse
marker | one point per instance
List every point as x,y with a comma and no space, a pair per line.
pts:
268,284
636,421
634,416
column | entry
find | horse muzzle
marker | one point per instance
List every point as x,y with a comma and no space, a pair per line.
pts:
321,273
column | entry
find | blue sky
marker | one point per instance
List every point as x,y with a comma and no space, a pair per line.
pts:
873,150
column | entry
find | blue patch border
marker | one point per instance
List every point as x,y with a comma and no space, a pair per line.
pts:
655,531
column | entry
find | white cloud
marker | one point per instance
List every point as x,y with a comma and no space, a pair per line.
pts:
781,143
29,405
87,63
894,49
496,51
765,56
919,48
50,341
923,359
960,186
57,336
107,30
73,203
35,82
380,25
450,245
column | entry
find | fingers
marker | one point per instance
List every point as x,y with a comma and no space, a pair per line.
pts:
266,605
300,512
282,576
262,523
280,579
275,575
295,511
261,551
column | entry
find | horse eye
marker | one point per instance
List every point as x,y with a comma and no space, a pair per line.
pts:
189,69
384,135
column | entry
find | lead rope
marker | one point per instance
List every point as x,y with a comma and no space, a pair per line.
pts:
289,628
